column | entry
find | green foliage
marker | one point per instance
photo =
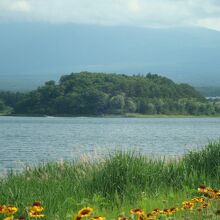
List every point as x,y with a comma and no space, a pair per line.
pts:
98,93
123,179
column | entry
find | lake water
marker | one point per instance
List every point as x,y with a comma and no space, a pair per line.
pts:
31,140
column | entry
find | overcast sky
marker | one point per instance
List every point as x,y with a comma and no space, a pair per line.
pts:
144,13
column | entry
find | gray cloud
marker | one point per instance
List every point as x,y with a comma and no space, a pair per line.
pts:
145,13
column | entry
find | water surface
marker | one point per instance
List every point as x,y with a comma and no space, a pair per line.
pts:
28,140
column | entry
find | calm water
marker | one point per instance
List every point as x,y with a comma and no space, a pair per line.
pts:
25,140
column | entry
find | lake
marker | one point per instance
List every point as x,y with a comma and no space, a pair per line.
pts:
34,140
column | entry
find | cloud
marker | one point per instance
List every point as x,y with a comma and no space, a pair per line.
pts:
145,13
14,6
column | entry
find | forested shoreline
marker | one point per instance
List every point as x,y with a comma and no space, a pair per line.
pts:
98,94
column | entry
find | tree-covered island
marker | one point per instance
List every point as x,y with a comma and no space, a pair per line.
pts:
88,94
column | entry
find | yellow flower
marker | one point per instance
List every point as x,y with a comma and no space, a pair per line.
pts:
167,212
156,211
215,194
188,205
37,207
173,210
205,205
2,209
8,218
97,218
34,214
141,217
209,188
77,217
85,212
150,216
10,210
203,189
198,199
137,211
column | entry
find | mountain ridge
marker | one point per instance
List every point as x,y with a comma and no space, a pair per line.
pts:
34,53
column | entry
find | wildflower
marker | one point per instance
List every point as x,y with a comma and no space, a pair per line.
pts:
2,209
34,214
173,210
167,212
150,216
10,210
156,212
209,188
141,217
37,207
202,189
188,205
77,217
215,194
208,195
97,218
85,212
137,211
198,199
204,206
8,218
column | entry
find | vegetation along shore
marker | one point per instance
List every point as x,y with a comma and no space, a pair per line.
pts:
98,94
116,184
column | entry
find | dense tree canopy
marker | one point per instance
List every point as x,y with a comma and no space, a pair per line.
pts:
98,93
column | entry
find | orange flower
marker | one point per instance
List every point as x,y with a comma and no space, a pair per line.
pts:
97,218
188,205
77,217
167,212
37,207
34,214
9,218
10,210
85,212
173,210
198,199
137,211
205,205
2,209
202,189
141,217
150,216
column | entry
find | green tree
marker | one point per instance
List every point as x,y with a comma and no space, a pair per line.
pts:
117,104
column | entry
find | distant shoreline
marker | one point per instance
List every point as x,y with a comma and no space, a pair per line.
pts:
126,115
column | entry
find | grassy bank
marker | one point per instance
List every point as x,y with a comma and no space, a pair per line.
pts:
137,115
113,185
125,115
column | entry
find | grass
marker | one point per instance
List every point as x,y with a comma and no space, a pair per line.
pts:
138,115
114,184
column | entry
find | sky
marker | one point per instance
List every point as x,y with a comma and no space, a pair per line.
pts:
141,13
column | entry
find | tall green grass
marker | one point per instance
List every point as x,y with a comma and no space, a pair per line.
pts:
113,184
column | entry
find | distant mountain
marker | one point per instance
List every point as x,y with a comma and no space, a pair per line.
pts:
213,91
32,53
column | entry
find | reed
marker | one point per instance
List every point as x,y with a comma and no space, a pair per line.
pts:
113,184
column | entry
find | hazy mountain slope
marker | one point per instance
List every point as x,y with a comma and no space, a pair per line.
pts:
33,53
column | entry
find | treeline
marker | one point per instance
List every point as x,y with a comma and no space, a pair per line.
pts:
98,93
209,91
